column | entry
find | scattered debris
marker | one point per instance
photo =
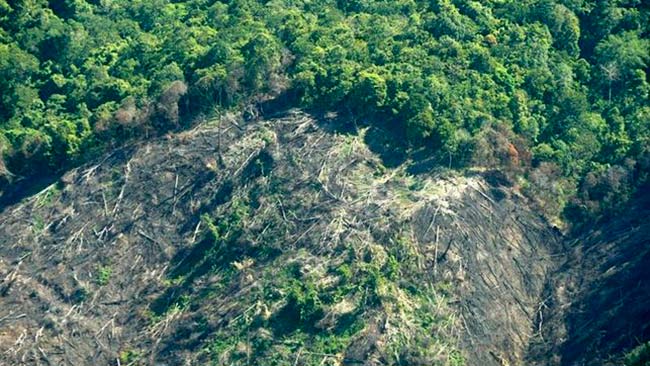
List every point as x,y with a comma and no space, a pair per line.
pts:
233,237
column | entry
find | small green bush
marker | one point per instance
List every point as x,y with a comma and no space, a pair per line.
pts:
640,356
104,275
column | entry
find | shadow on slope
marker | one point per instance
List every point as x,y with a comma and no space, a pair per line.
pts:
598,302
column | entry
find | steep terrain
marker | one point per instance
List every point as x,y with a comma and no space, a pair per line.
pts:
597,305
276,242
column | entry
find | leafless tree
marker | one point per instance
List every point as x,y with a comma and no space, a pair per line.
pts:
612,73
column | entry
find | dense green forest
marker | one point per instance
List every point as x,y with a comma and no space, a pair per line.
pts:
554,92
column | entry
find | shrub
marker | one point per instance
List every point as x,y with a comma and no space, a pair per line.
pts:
104,275
639,356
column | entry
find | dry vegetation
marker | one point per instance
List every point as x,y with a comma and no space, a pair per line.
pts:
271,242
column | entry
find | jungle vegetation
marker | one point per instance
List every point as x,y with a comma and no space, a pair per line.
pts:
553,92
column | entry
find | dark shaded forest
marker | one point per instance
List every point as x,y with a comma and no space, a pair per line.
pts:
554,93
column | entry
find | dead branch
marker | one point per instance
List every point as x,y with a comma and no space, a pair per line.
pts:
39,334
295,363
175,193
232,121
243,313
11,316
313,144
101,235
105,204
483,194
247,161
101,330
196,232
540,311
136,262
284,215
147,236
119,199
303,234
435,262
44,356
433,220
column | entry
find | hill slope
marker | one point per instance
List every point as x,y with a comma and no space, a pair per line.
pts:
270,243
597,305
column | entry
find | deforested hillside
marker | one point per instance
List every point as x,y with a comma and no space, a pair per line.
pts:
597,305
324,182
282,241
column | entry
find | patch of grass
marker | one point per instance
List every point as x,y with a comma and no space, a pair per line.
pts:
176,305
299,303
348,146
417,185
379,171
104,275
302,310
38,224
214,254
129,357
456,358
48,196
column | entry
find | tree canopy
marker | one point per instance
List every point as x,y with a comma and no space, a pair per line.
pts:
544,87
